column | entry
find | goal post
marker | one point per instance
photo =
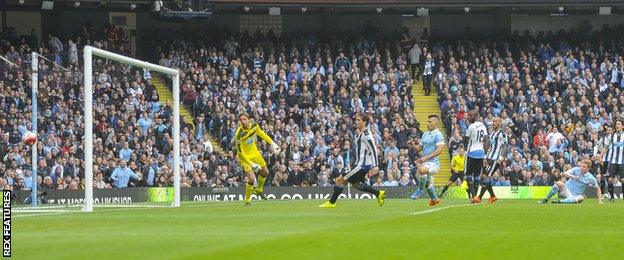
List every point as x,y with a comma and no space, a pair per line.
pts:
88,53
34,66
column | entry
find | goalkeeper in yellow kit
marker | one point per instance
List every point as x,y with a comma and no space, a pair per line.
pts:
250,157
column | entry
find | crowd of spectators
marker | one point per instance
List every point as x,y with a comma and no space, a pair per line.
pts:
303,91
60,112
554,91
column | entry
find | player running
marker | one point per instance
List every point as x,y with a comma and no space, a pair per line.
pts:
250,157
573,189
429,164
495,156
477,139
366,160
457,171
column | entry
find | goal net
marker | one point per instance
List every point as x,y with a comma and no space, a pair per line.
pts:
79,125
143,121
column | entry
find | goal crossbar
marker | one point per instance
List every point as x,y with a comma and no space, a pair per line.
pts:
89,52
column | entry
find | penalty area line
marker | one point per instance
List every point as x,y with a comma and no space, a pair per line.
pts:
116,208
441,208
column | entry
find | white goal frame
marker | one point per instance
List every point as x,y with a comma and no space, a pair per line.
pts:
88,53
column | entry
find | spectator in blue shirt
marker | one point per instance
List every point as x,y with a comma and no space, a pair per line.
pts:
122,174
152,171
391,149
502,182
160,126
27,179
126,152
145,122
320,148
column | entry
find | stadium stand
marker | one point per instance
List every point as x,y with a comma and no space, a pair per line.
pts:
554,91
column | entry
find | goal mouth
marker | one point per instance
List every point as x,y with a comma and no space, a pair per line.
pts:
46,210
89,53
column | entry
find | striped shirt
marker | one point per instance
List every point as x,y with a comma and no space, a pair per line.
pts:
366,149
616,148
604,142
498,140
257,63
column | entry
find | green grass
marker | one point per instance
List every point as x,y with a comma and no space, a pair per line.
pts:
516,229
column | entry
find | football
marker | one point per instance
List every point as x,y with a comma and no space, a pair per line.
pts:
29,138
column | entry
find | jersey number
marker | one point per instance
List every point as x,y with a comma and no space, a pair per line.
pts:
480,135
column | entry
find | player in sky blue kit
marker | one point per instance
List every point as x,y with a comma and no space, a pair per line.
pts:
432,142
573,190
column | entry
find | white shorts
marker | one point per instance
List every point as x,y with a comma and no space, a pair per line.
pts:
432,167
565,193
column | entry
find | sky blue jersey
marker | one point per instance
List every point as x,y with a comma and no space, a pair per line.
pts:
429,141
577,187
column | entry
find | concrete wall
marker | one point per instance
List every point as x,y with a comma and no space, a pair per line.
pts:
73,20
450,24
385,23
146,21
536,23
23,22
302,22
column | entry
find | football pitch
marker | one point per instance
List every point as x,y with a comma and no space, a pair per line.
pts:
298,229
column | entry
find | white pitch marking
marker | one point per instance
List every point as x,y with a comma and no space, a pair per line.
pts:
441,208
33,212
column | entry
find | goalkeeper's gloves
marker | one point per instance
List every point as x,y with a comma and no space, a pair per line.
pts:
255,167
275,148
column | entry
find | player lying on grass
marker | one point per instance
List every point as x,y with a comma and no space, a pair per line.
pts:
573,189
429,164
250,157
366,160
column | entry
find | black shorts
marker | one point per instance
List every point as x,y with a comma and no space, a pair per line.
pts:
492,167
616,170
458,175
357,174
473,167
604,166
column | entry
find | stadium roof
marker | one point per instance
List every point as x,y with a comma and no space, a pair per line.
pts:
429,2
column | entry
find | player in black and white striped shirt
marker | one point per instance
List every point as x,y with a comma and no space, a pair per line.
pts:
495,156
616,160
603,145
366,159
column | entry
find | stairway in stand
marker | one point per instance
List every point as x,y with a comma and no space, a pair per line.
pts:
165,94
423,107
